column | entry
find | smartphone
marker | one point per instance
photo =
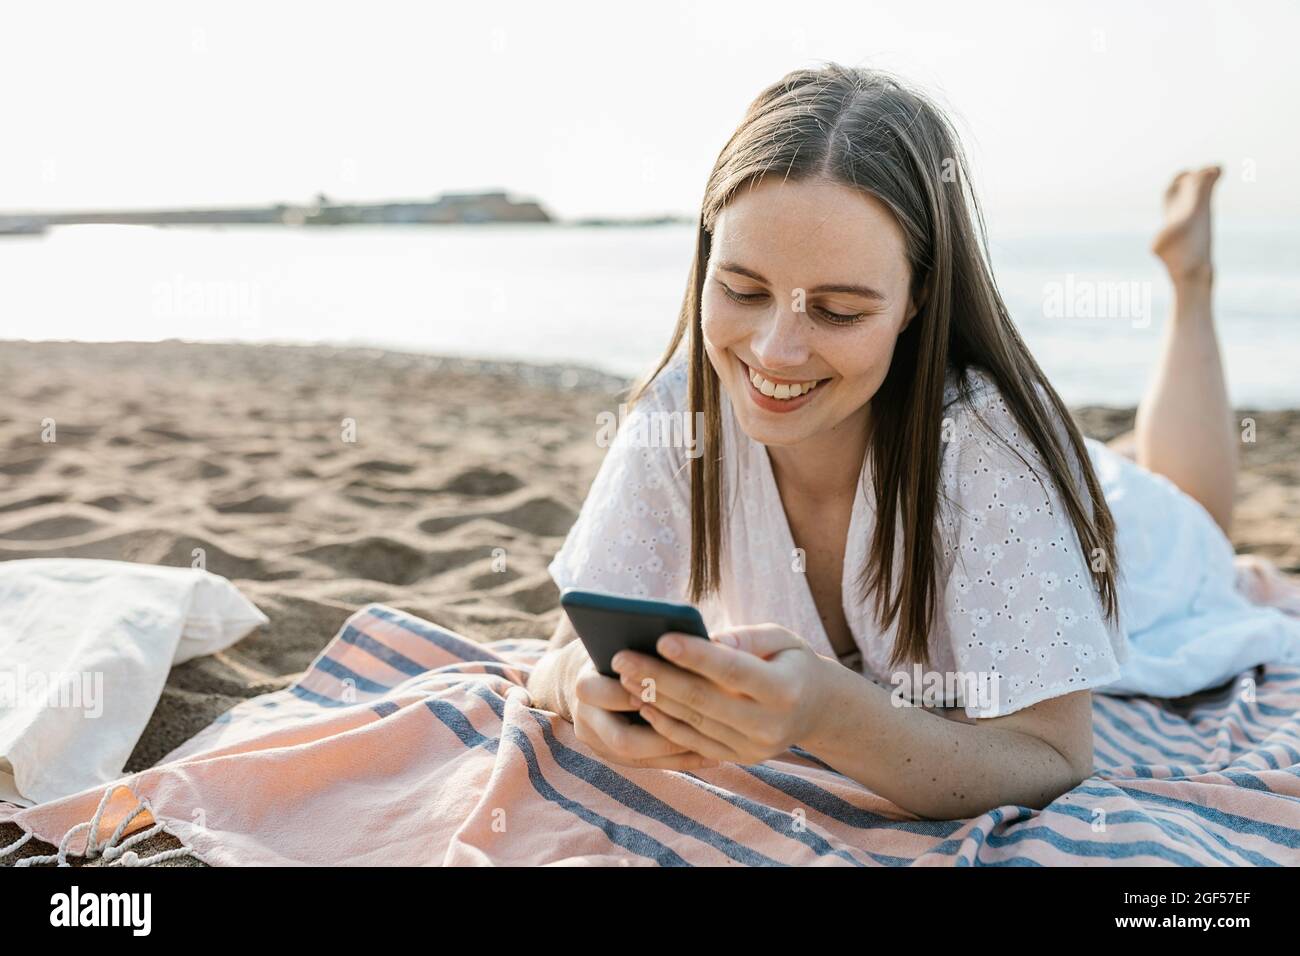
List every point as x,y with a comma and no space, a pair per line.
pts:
609,623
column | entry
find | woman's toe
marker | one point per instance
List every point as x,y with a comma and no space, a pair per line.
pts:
1210,175
1175,183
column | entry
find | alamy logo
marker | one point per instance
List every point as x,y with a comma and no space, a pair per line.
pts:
102,909
651,430
64,690
922,688
1093,299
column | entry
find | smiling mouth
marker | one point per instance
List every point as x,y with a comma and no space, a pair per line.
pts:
780,391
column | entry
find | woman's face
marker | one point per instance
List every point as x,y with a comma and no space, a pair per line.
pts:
807,282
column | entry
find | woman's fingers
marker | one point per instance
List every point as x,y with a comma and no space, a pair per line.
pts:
702,728
597,690
741,667
698,738
649,680
599,722
612,739
687,761
613,736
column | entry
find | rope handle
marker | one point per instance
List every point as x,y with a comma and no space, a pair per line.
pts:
117,854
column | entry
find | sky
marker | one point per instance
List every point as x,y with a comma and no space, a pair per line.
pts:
1075,115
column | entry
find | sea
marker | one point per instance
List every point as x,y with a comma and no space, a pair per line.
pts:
1093,308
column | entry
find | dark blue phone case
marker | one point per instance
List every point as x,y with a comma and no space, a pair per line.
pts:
609,623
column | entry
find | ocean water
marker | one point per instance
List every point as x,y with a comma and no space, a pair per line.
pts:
1092,308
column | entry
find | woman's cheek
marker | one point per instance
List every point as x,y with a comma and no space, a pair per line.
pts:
719,323
873,353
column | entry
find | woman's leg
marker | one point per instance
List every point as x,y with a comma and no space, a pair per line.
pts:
1184,428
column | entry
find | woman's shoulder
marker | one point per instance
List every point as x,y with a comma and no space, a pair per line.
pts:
654,424
975,401
971,387
667,390
982,438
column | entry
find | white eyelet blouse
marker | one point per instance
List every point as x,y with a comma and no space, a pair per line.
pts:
1016,599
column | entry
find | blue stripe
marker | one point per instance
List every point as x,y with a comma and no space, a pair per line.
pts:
1157,709
1013,861
494,701
782,823
384,707
631,839
510,672
813,758
315,698
828,804
1247,717
1268,758
1251,857
450,642
1291,752
614,785
1272,710
1248,781
1106,760
1139,764
978,835
397,661
1176,830
330,666
1214,717
1274,833
460,725
1149,720
1122,726
1088,848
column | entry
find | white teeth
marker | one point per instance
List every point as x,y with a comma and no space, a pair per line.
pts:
780,392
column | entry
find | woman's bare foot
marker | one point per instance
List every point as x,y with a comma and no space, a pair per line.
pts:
1263,582
1183,243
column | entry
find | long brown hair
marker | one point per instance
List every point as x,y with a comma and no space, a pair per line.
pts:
870,131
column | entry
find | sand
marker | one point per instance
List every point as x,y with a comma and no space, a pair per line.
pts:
239,450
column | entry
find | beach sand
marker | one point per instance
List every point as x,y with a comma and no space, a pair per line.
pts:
239,450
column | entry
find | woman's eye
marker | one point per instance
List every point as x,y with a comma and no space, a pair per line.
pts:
749,298
839,318
741,296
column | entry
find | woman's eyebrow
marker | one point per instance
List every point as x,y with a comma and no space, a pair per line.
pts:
845,287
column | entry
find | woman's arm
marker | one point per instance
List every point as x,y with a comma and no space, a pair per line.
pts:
769,690
951,766
555,672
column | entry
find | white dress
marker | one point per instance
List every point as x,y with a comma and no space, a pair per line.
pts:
1016,597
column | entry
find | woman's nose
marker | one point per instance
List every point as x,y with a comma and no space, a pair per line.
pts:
781,342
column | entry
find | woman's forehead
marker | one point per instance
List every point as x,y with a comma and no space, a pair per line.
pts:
824,232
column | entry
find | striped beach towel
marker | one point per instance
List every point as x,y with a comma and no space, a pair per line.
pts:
406,743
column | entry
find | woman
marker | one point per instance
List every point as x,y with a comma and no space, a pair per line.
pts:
847,352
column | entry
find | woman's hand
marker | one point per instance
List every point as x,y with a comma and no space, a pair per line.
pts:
745,696
599,708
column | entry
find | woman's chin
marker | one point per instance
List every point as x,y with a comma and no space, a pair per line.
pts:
769,429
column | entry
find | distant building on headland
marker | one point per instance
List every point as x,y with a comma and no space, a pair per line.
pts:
447,208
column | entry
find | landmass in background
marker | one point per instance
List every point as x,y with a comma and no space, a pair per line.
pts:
453,207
